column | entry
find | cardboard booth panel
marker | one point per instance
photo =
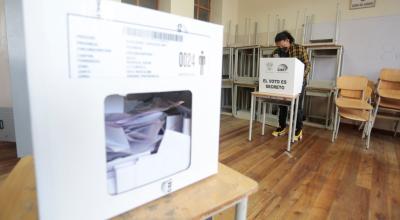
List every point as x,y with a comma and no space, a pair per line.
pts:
281,75
124,104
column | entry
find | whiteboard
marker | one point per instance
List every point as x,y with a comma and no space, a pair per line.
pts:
370,44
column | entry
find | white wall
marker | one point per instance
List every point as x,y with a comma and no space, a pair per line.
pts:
5,90
225,12
375,29
324,10
216,11
164,5
7,132
182,7
17,69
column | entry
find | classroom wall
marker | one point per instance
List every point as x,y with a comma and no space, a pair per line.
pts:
383,18
229,16
265,12
7,131
216,12
17,72
225,12
164,5
182,7
324,10
5,90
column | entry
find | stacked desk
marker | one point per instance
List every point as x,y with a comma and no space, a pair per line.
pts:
324,89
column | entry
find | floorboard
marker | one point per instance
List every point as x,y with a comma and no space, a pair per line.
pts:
320,179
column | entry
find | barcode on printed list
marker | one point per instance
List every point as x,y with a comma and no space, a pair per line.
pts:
155,35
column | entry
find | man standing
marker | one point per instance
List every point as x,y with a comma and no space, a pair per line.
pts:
287,48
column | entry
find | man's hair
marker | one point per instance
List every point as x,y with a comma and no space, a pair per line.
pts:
284,35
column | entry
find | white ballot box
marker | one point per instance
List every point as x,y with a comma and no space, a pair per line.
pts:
124,104
281,75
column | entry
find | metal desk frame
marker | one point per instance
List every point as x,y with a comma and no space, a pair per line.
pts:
324,92
235,98
271,97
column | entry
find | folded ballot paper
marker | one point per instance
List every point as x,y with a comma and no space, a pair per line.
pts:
145,135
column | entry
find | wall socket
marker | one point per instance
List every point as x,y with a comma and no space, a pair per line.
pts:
1,124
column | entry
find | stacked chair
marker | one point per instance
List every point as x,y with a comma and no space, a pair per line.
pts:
354,95
352,99
370,99
388,96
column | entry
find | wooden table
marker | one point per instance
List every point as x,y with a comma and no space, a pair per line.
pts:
197,201
272,97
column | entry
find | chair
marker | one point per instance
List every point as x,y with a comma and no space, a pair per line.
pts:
370,91
351,101
369,97
388,91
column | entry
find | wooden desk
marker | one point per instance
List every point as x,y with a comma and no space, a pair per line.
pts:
197,201
294,100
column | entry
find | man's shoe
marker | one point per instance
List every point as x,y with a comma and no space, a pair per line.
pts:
279,132
298,135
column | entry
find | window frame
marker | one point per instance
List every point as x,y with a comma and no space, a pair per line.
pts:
198,6
137,3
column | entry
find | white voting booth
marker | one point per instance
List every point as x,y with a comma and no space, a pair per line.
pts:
124,103
281,75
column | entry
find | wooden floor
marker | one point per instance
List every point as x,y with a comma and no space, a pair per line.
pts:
8,159
321,180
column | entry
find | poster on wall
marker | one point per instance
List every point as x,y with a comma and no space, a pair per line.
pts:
357,4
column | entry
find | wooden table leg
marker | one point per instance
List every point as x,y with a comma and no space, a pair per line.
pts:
241,209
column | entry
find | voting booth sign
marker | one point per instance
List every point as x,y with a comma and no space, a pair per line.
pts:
281,75
117,104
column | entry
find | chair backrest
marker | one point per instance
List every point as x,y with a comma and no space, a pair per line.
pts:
352,86
371,84
368,93
389,79
370,90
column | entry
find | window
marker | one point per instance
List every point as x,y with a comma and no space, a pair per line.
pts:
153,4
202,10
